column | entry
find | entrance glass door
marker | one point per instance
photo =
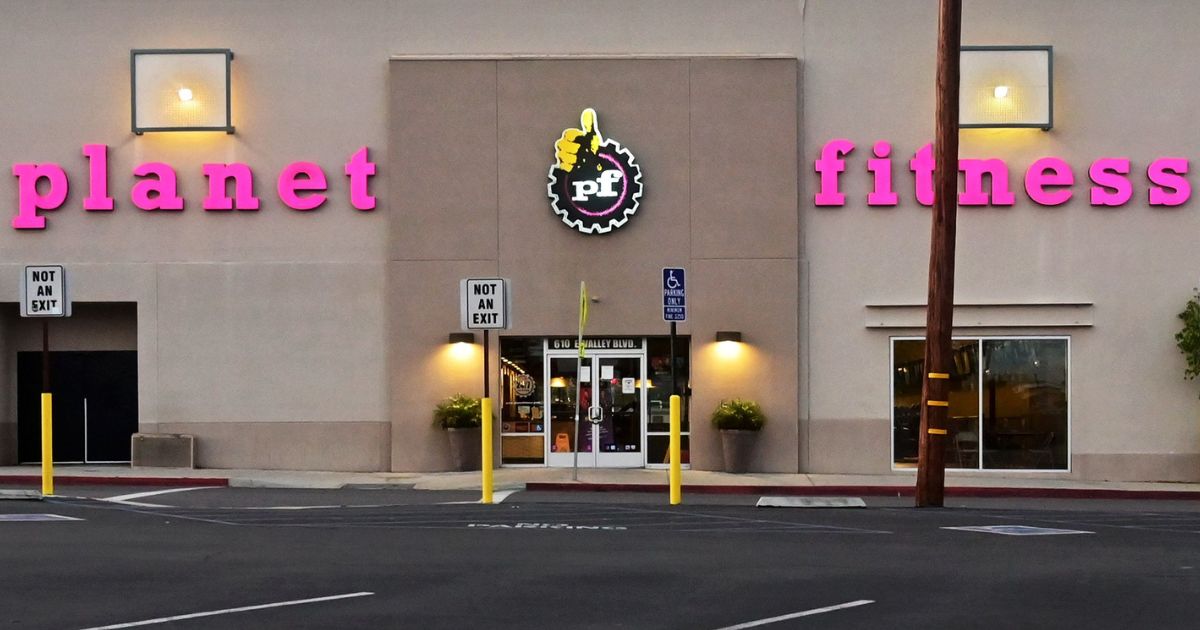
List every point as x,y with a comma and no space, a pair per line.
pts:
610,402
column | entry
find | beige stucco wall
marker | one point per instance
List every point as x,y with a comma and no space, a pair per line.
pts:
231,332
472,142
255,323
1133,415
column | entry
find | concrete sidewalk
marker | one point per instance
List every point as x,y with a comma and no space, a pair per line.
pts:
625,480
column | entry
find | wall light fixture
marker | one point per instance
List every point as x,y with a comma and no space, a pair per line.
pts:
180,89
1006,86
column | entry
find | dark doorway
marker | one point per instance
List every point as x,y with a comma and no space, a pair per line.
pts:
95,405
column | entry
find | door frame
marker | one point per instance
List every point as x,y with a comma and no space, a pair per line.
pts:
594,458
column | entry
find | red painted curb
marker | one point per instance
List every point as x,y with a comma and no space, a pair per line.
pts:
874,491
73,480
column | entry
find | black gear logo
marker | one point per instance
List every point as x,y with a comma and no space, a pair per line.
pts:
595,184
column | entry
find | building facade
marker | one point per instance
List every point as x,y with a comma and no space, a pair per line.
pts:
284,332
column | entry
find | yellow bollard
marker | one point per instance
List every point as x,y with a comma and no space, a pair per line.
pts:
47,446
676,465
486,444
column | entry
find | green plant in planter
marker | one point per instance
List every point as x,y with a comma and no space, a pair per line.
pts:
738,415
1188,338
458,412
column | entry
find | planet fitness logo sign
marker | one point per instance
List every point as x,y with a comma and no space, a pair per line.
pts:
595,185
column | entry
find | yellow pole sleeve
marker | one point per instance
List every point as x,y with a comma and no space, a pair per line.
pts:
486,444
676,464
47,445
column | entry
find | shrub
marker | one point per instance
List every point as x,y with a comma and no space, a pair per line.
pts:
458,412
738,414
1188,338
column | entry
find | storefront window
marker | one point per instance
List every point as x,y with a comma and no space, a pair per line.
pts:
620,392
1008,403
658,423
522,417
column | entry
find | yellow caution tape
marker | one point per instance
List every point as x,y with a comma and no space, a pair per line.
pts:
937,431
938,375
938,403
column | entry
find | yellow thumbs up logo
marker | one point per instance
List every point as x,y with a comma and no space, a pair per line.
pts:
579,146
595,184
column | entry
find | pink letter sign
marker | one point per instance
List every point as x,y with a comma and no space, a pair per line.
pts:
1171,187
1049,181
359,168
290,181
883,195
1049,172
218,176
1111,189
830,164
97,199
29,201
159,193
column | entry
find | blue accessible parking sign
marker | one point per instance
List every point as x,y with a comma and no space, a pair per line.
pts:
674,294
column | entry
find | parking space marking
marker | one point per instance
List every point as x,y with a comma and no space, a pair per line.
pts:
128,499
797,615
764,521
1146,521
103,505
36,518
476,516
227,611
1018,530
497,497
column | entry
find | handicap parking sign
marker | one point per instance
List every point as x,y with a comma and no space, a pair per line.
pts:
674,294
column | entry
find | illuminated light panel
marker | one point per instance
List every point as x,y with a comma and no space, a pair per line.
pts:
180,90
1006,86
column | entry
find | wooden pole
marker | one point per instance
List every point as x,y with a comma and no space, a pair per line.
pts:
931,464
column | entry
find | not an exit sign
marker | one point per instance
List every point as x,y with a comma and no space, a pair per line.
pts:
44,292
484,303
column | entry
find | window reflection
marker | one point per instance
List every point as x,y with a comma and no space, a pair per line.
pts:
1012,392
522,416
1025,403
962,443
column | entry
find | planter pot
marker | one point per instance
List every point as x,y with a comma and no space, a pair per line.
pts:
737,447
464,448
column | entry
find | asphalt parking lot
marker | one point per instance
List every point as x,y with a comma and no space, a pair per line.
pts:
388,558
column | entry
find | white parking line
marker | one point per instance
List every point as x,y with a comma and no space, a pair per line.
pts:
128,499
497,497
227,611
804,613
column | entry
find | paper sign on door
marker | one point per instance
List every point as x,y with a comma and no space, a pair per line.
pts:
627,386
606,372
585,374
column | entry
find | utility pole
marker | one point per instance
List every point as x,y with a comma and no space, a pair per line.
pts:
935,392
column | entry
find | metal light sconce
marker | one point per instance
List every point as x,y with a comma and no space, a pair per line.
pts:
180,89
1006,87
461,337
729,335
